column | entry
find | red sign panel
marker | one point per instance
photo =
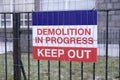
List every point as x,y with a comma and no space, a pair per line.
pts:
65,43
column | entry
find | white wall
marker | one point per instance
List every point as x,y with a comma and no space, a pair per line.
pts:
17,5
53,5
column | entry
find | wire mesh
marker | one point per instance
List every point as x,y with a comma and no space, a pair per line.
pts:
55,70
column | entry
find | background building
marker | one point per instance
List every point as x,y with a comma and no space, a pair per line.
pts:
62,5
55,5
15,6
114,13
40,5
113,7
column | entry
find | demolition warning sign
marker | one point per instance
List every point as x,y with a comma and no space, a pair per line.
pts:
72,40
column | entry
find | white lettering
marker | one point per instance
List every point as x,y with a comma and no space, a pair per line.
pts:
47,52
79,54
87,53
71,54
50,52
40,52
60,52
54,52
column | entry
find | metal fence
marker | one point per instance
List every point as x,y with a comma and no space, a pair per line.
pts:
17,63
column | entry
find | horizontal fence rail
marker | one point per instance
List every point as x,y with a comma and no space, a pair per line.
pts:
107,66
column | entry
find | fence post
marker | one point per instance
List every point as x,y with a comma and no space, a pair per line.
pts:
119,53
16,46
106,67
6,72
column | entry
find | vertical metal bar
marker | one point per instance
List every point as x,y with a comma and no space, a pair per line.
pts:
70,70
38,69
104,38
59,70
48,60
5,47
93,71
23,70
28,47
119,53
94,63
16,46
81,70
39,60
48,70
59,63
106,67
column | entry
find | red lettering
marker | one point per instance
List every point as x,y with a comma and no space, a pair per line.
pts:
59,40
66,40
58,31
45,31
38,39
78,40
39,31
80,31
84,40
47,39
53,39
72,40
51,31
90,40
88,31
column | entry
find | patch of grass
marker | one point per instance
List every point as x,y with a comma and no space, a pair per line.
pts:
113,68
